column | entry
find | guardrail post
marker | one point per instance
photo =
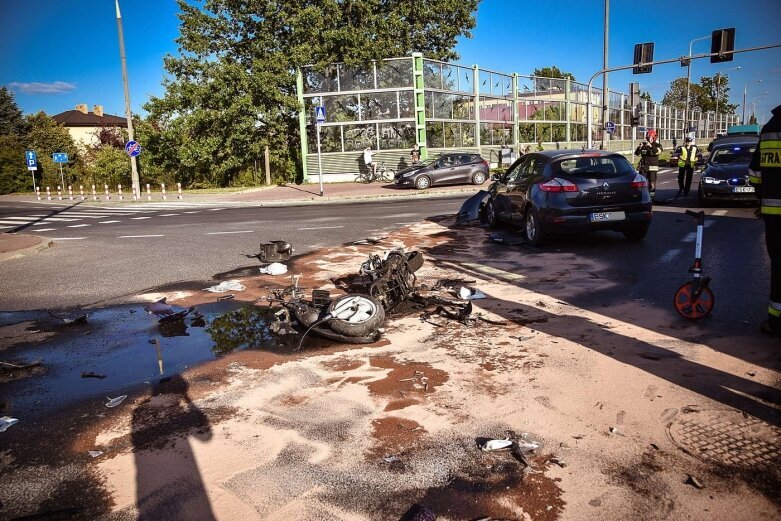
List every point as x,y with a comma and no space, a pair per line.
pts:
148,193
38,192
70,193
163,187
179,187
59,192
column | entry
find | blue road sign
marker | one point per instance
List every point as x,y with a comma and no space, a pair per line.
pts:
60,157
320,114
31,159
132,148
610,127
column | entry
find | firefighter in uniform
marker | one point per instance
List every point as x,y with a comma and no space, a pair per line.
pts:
686,164
649,159
765,175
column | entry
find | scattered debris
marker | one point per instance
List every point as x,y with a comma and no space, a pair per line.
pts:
80,319
559,462
275,268
93,375
94,453
225,286
450,283
491,445
369,240
166,312
614,430
469,293
693,481
225,297
508,239
7,421
391,459
418,513
275,251
472,207
751,373
655,446
9,365
113,402
392,276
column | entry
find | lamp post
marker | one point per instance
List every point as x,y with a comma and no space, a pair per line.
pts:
688,83
745,91
718,85
754,105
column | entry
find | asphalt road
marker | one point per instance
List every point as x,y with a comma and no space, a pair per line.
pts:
102,254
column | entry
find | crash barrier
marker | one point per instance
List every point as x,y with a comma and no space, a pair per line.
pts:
107,192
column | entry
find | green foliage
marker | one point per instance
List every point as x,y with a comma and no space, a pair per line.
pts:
646,96
702,96
11,120
107,165
553,72
14,176
231,92
46,136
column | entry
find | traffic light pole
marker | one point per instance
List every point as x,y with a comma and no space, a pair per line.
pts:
590,105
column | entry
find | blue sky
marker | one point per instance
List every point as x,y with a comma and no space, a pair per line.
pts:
57,53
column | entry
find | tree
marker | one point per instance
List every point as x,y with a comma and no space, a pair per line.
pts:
716,87
232,92
645,96
702,96
11,120
549,72
46,136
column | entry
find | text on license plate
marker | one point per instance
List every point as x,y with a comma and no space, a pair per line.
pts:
607,216
743,189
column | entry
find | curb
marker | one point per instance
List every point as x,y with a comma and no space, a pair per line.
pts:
45,244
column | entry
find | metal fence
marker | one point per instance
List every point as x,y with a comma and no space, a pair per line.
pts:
393,105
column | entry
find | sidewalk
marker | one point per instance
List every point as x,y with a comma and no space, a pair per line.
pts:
13,245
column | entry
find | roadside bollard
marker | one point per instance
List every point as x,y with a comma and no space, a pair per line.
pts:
135,196
163,187
148,193
81,191
48,194
179,186
59,192
70,192
94,194
119,189
108,196
38,192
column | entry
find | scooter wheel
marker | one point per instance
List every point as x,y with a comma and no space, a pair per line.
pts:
356,315
690,308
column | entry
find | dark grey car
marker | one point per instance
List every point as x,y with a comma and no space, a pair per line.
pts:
725,176
449,169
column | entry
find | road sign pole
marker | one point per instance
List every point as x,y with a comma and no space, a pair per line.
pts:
319,161
123,59
33,173
62,179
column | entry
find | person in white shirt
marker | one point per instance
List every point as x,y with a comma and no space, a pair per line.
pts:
368,159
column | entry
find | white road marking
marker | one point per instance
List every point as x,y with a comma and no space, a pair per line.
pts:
17,223
690,237
137,236
77,225
196,211
139,218
226,233
669,256
322,228
45,230
215,209
44,218
69,238
719,212
167,214
108,222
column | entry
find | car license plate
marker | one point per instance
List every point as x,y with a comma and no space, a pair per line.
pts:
607,216
743,189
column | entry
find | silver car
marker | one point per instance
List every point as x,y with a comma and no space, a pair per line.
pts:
448,169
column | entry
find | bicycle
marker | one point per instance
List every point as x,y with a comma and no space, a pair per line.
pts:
383,174
694,299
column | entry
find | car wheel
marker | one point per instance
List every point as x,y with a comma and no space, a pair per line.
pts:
534,233
491,217
356,315
422,182
636,234
478,178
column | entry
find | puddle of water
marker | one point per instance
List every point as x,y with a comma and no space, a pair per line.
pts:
119,342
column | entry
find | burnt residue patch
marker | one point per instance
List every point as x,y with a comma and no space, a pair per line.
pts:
343,363
406,383
394,435
644,478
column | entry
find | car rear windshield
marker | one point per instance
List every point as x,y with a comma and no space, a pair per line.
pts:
732,154
602,167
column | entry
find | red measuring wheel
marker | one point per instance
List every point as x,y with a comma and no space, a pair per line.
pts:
691,307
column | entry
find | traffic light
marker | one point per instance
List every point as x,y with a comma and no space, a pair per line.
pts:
634,94
722,41
644,53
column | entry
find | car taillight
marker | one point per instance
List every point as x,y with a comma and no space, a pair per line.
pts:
558,185
639,182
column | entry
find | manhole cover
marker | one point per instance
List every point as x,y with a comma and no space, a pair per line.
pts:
727,437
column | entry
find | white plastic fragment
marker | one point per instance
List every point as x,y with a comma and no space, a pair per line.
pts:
467,293
94,453
225,286
275,268
496,445
7,421
113,402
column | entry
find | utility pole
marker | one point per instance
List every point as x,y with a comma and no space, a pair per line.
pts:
745,91
605,93
686,119
133,165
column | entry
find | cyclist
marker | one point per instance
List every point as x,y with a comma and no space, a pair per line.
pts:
368,159
414,155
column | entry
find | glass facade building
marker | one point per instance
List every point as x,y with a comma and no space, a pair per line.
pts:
395,104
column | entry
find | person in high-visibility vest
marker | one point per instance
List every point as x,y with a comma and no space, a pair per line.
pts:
686,164
765,176
649,160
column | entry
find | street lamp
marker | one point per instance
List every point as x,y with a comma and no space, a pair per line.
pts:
688,83
745,91
718,85
754,105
